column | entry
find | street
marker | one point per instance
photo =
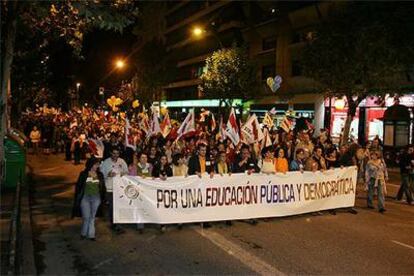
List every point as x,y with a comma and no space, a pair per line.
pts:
366,243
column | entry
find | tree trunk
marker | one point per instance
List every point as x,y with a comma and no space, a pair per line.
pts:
352,107
7,60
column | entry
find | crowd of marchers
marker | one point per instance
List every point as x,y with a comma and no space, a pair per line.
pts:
101,140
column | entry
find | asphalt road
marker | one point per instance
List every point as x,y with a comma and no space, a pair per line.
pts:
366,243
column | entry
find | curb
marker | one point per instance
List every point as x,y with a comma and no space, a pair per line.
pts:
28,265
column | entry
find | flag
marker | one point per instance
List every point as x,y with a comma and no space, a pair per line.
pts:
144,123
232,128
241,133
155,125
96,147
213,124
129,138
309,125
286,124
251,130
266,142
204,113
268,120
221,135
188,125
166,125
272,111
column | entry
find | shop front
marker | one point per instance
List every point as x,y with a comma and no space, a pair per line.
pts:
368,121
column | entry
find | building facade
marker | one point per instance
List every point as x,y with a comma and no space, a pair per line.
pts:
275,32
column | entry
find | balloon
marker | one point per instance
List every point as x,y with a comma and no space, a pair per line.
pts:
114,102
275,87
270,82
278,79
135,104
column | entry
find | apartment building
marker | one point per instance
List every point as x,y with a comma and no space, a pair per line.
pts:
273,31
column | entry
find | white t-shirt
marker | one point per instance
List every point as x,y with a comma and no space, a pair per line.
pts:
119,167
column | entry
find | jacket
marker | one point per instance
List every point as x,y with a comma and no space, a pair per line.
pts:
80,190
194,165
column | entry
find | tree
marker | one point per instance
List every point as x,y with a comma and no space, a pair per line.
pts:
229,75
361,49
153,71
66,19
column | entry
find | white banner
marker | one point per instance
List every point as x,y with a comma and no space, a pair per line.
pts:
239,196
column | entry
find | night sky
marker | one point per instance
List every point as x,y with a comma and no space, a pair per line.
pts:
99,51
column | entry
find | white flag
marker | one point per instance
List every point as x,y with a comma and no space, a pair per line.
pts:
155,125
266,142
96,147
187,126
251,130
232,128
129,139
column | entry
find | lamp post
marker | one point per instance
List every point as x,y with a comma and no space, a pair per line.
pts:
77,94
199,32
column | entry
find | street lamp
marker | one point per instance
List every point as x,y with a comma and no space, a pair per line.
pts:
198,32
77,93
119,64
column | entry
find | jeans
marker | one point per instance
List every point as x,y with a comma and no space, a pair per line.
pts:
405,188
380,192
89,206
109,197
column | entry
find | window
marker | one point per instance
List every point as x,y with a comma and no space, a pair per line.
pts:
268,71
269,43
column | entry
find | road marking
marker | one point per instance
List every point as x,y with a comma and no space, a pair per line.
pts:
103,262
253,262
403,244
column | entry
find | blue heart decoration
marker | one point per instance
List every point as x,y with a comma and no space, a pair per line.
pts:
278,80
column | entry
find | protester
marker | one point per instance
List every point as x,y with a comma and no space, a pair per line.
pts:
281,162
376,174
179,167
113,166
406,163
35,137
268,161
222,166
199,164
162,169
298,164
244,162
89,193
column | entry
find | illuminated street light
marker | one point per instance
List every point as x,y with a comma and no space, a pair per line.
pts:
198,32
119,64
78,85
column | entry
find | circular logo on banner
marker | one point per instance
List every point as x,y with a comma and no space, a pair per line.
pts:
131,192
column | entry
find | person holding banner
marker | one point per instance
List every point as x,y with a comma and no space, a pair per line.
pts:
200,164
162,169
179,167
244,162
222,167
142,169
89,193
375,175
298,164
268,162
281,163
113,166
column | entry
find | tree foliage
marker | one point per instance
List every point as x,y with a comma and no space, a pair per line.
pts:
153,71
229,75
360,49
